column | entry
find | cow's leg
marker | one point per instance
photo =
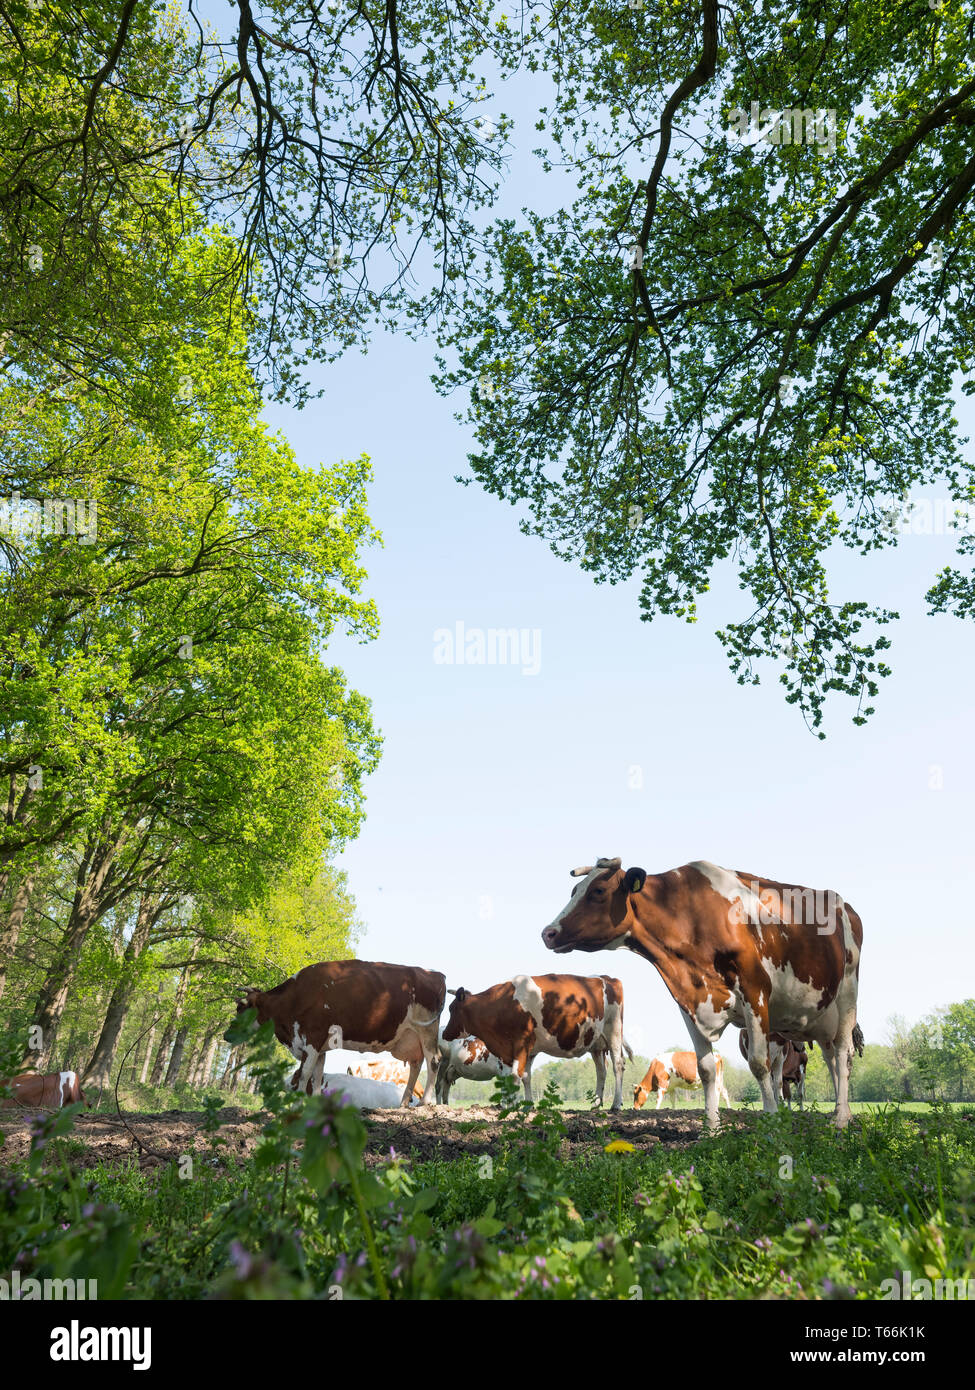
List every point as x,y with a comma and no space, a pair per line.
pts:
707,1067
599,1058
662,1088
526,1076
616,1055
411,1082
317,1077
843,1050
722,1088
427,1033
759,1059
778,1062
310,1060
829,1057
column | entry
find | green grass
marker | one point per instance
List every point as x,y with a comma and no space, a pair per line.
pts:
787,1207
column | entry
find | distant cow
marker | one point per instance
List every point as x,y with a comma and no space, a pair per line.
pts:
366,1006
386,1069
364,1092
732,948
470,1058
678,1069
48,1092
559,1015
788,1061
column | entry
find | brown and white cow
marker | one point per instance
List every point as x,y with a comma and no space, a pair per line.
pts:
788,1067
678,1070
386,1069
366,1006
49,1092
559,1015
468,1057
732,948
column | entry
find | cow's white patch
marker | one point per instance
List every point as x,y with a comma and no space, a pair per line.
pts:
796,1007
711,1019
730,887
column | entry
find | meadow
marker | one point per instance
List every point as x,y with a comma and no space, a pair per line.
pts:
321,1207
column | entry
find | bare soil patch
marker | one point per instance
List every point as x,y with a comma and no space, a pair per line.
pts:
433,1132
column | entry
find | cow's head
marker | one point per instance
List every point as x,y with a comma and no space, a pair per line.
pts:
251,999
598,914
456,1018
640,1094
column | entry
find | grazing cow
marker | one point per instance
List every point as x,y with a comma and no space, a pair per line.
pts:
678,1069
788,1067
48,1092
470,1058
366,1006
365,1092
731,948
560,1015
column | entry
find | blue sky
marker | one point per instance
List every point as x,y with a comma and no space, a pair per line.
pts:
631,739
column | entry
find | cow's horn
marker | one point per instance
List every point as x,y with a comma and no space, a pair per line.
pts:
580,873
609,863
451,991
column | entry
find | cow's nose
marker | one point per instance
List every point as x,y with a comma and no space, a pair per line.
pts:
550,935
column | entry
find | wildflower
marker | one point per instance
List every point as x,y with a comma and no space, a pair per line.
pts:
619,1146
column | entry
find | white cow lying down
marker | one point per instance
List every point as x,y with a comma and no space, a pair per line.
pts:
363,1092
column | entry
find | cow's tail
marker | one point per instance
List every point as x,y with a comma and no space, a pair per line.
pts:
858,1039
627,1049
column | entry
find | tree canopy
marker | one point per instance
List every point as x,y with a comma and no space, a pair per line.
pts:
738,345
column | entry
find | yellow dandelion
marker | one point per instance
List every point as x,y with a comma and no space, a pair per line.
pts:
619,1146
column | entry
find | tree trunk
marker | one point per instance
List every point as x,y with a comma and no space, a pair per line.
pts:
176,1061
162,1055
151,1038
173,1024
228,1073
204,1061
100,1067
10,934
90,902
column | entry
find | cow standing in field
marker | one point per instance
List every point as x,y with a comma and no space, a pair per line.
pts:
559,1015
789,1061
48,1092
732,948
365,1006
677,1069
